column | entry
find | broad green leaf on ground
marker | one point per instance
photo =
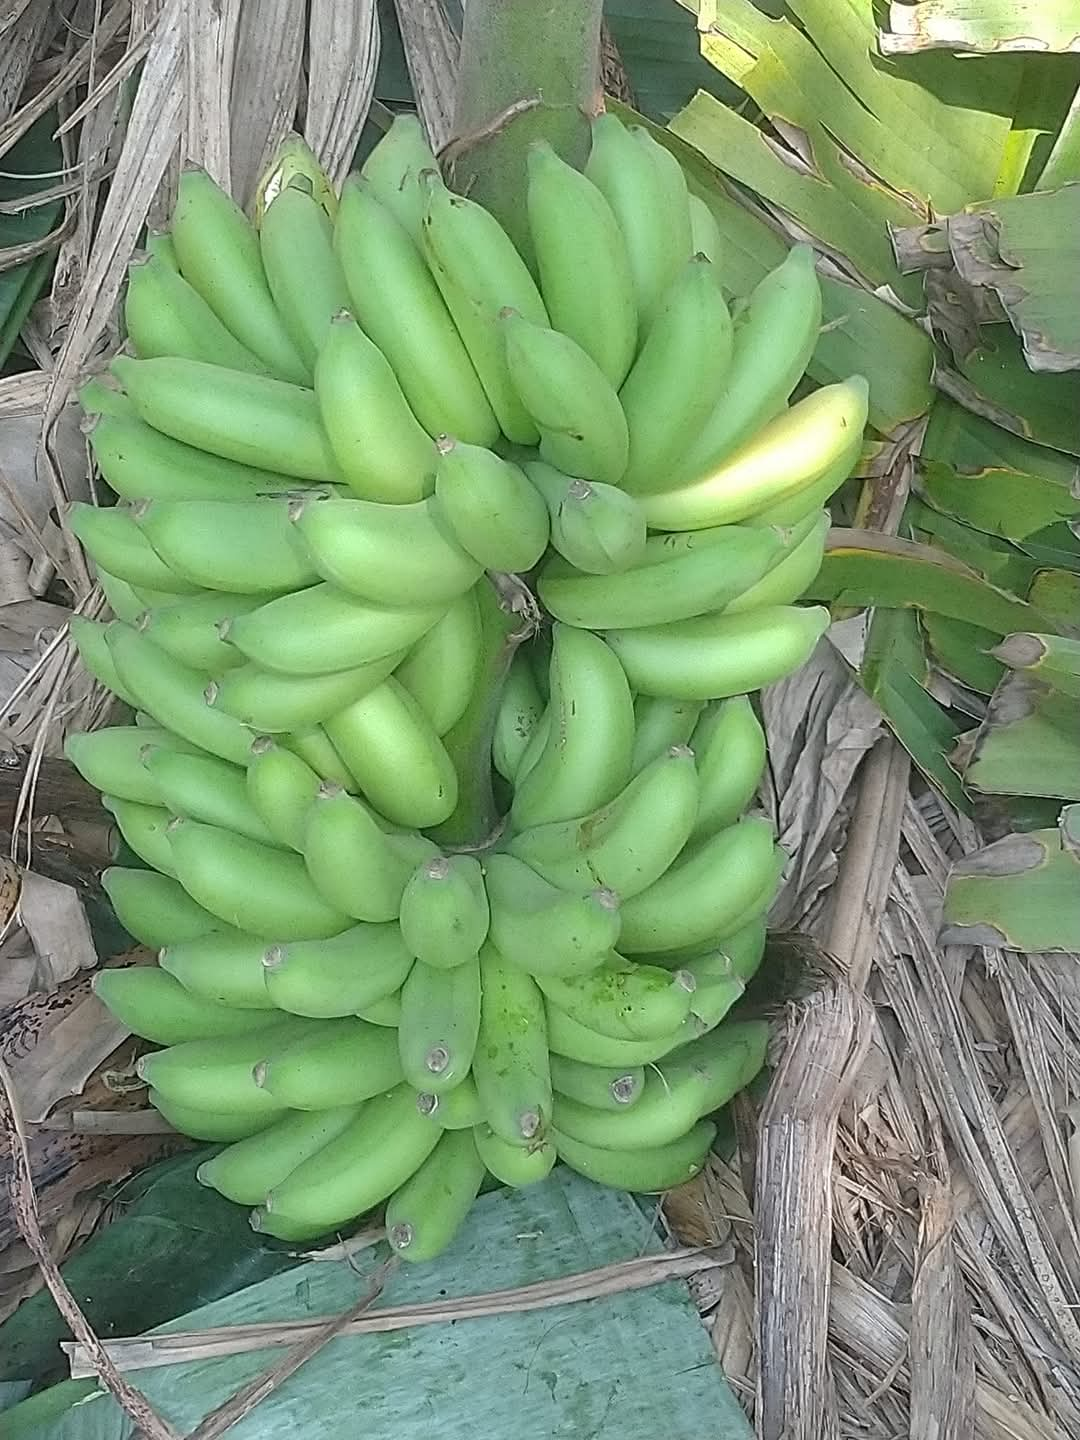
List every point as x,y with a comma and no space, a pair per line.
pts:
1057,594
961,650
658,45
1021,893
981,27
1004,565
1029,743
1054,659
995,381
1057,546
28,167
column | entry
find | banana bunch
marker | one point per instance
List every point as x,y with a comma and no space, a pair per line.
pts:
327,434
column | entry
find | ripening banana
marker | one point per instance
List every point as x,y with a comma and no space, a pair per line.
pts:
155,1006
543,929
173,694
248,547
490,507
254,887
442,670
282,788
520,708
313,746
88,638
425,1214
399,307
153,908
216,1074
730,747
224,965
341,1062
687,905
601,1087
202,787
187,628
773,343
627,844
250,419
219,1126
111,538
321,630
439,1024
575,407
339,976
649,201
597,528
112,760
623,1000
510,1067
278,703
675,379
247,1169
515,1165
353,862
140,463
798,509
681,576
479,273
399,762
456,1109
705,237
714,656
444,911
644,1171
296,244
577,1042
660,724
143,830
394,167
386,1143
164,315
585,275
218,251
381,448
818,439
586,760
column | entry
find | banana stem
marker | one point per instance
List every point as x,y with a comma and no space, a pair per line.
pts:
529,70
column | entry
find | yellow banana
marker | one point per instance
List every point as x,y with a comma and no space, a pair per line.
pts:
510,1067
441,671
354,863
546,930
111,538
490,507
225,965
596,527
248,547
339,976
157,1007
439,1024
296,244
247,1169
339,1062
153,908
425,1214
277,703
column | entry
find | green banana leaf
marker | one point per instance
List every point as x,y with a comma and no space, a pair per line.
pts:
995,379
962,651
1057,594
981,27
1004,565
1028,744
36,154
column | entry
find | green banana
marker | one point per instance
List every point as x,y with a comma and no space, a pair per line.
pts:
794,512
140,463
674,381
730,747
111,538
293,161
159,244
515,1165
393,170
520,708
202,787
793,573
818,438
744,948
388,554
714,656
218,251
425,1214
441,671
544,929
341,1062
164,315
111,760
577,1042
511,1067
586,760
574,406
296,244
444,911
686,905
623,1000
248,1168
674,581
479,273
157,1007
100,397
247,547
773,343
173,694
384,1012
277,703
705,237
124,600
381,448
396,301
456,1109
143,830
490,507
88,637
644,1171
225,965
313,746
439,1024
661,724
187,629
627,844
282,788
585,275
354,863
601,1087
400,764
255,887
250,419
339,976
153,908
649,200
217,1073
386,1143
595,527
216,1125
321,629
